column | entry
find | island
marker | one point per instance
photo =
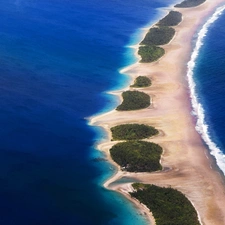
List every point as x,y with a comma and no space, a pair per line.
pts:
168,205
132,131
189,3
141,81
133,100
137,156
172,19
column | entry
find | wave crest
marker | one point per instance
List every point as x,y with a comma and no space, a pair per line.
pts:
198,111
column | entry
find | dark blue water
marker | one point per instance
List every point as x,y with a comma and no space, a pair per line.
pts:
57,59
210,81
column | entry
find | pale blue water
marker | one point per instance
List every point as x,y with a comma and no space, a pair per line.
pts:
57,60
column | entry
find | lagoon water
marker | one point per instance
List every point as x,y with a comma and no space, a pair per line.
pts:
57,60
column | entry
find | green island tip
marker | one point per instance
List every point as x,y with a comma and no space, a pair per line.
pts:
168,206
137,156
141,81
132,131
133,100
189,3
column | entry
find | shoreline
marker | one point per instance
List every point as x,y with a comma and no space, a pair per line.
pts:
192,170
198,111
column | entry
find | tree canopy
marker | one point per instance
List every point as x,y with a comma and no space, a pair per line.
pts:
158,36
150,53
189,3
132,131
169,206
141,81
137,156
172,19
133,100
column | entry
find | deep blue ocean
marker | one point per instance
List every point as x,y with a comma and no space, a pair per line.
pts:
57,61
208,84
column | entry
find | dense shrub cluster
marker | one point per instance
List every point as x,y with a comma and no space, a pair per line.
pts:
172,19
150,53
161,34
169,206
137,156
133,100
132,131
141,81
189,3
158,36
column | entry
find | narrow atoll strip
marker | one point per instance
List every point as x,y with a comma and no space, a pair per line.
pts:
180,159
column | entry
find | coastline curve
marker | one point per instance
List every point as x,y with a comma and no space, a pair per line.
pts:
198,110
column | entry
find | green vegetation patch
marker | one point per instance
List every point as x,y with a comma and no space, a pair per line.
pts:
132,131
141,81
189,3
150,53
137,156
158,36
172,19
133,100
169,206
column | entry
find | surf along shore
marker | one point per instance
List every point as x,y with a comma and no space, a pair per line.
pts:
188,166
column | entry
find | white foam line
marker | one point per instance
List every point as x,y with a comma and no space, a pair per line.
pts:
198,110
